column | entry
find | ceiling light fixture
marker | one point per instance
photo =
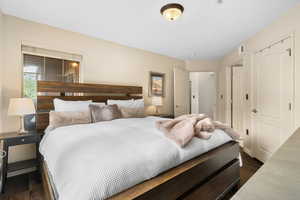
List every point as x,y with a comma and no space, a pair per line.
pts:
172,11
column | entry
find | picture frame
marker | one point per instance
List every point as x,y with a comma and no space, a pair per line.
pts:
156,84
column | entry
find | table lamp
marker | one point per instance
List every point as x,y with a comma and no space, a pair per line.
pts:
157,101
21,107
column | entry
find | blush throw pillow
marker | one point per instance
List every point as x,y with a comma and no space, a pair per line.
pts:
59,119
104,113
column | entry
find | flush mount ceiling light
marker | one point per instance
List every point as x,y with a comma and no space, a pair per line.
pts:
172,11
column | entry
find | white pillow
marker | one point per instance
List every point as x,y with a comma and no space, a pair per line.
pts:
139,103
62,106
133,108
98,104
124,103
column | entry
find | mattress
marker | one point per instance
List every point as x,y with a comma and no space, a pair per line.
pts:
96,161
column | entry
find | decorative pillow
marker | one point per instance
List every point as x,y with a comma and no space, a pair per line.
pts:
132,112
59,119
62,106
130,108
104,113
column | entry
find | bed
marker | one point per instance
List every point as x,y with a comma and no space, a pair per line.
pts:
142,165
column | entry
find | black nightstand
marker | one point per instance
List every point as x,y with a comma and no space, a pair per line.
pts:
13,139
164,115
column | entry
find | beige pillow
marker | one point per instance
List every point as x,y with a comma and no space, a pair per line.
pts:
67,118
104,113
130,108
132,112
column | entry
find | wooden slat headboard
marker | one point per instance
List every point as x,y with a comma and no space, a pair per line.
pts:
53,86
49,90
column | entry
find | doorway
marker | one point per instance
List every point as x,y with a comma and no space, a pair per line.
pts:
203,93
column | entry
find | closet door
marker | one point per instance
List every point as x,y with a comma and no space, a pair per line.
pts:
273,107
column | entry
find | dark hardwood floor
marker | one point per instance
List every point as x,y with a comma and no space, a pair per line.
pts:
250,166
24,187
29,187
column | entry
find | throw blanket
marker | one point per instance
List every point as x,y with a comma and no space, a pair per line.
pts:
182,129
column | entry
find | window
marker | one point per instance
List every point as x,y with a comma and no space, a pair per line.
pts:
48,69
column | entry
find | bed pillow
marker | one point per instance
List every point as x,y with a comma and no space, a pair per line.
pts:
63,106
124,103
130,108
98,103
132,112
104,113
59,119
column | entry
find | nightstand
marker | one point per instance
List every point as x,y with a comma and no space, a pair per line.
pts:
13,139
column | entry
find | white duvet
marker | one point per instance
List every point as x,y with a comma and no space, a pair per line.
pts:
96,161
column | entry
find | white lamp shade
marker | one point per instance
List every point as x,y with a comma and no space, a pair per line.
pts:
157,101
21,107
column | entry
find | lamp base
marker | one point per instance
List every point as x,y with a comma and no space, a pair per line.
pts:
156,110
22,132
22,129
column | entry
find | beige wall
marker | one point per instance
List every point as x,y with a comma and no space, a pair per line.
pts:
103,62
1,65
285,25
202,65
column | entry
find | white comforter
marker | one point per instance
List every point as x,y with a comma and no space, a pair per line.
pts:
96,161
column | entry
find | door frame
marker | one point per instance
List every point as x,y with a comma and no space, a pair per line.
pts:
246,61
215,112
231,91
229,100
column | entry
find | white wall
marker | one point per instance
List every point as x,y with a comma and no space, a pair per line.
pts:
103,62
285,25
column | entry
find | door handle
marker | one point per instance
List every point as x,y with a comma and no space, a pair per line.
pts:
254,110
177,106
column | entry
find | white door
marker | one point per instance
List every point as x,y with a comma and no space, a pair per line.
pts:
273,98
238,98
207,93
181,92
194,84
